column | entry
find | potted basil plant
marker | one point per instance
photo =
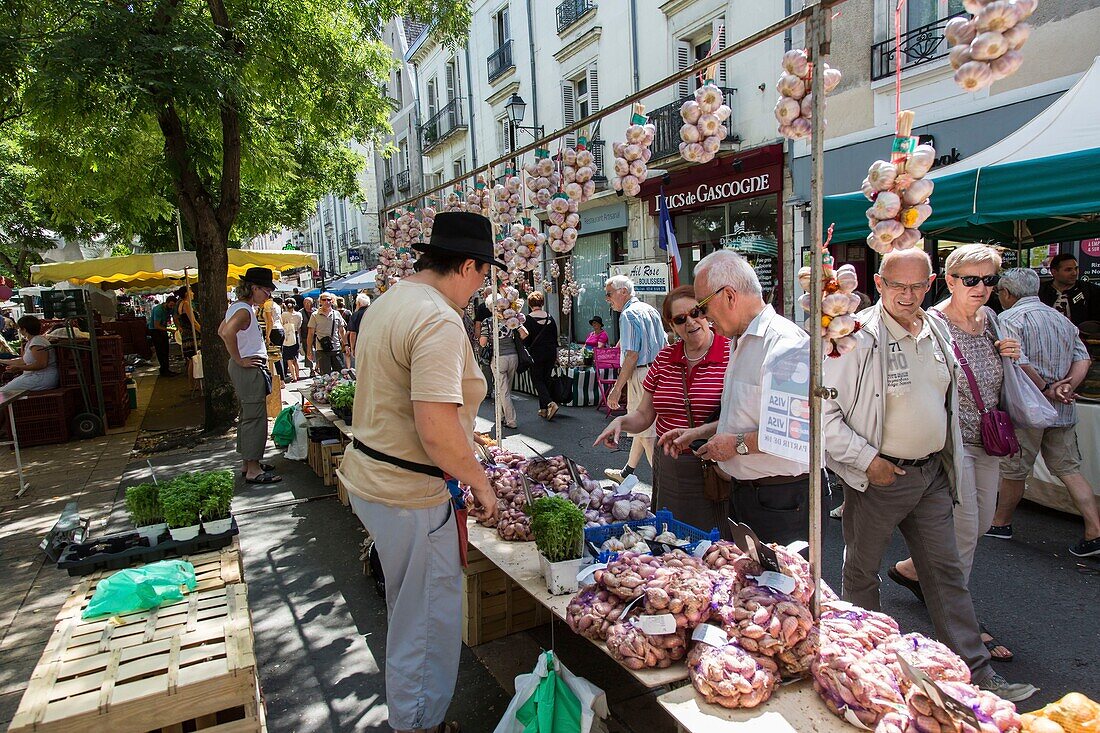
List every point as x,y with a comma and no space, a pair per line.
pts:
143,504
341,399
182,504
216,489
558,527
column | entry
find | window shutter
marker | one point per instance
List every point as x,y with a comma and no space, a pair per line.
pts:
569,112
593,89
451,91
504,23
718,42
684,87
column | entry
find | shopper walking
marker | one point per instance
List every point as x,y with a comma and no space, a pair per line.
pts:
292,325
417,394
163,314
273,330
362,302
770,494
325,336
244,340
307,310
1061,361
897,471
683,390
971,278
1066,293
505,353
542,343
190,332
641,337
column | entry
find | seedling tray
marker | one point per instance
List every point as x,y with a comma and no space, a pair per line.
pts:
114,552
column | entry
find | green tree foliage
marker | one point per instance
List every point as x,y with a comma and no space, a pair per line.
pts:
236,112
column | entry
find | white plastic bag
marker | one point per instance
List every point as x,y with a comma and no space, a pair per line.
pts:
593,700
299,449
1023,401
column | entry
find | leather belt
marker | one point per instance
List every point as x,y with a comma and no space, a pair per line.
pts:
908,461
399,462
773,480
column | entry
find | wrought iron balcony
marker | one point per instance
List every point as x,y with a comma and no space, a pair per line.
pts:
403,183
500,60
387,186
918,46
442,125
570,11
667,120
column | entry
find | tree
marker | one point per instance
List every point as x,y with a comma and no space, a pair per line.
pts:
241,108
24,223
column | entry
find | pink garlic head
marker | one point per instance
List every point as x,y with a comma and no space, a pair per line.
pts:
786,109
807,106
796,62
569,156
635,134
632,152
918,192
999,15
801,128
846,278
845,345
959,55
723,112
835,304
974,76
621,167
887,205
710,97
908,239
832,78
1006,65
585,158
959,31
881,175
887,231
920,161
988,46
1017,35
689,111
690,133
638,169
791,86
712,144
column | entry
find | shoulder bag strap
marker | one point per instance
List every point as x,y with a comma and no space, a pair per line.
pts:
965,366
687,398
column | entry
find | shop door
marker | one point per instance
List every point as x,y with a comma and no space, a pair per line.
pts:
591,256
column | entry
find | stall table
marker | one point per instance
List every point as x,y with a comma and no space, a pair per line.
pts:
794,708
586,390
1045,489
8,400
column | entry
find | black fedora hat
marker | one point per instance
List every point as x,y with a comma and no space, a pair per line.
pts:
595,319
259,276
466,234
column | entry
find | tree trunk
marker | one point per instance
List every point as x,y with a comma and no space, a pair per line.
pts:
212,253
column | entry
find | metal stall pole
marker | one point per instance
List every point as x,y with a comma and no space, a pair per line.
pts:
818,36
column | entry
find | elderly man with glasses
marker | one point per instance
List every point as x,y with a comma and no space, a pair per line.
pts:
770,494
893,437
325,337
641,336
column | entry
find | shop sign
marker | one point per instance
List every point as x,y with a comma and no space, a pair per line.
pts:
648,277
717,192
1089,261
603,218
354,255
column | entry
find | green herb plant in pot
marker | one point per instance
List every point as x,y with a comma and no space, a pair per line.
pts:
341,399
182,503
216,490
558,527
143,504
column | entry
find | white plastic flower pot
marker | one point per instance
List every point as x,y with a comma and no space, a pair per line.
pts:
152,532
561,577
217,526
180,534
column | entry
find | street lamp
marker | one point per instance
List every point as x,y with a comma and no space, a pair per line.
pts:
516,109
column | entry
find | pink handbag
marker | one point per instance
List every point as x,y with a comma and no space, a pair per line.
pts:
998,434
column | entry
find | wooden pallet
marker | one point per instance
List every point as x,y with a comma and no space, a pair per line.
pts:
494,605
186,666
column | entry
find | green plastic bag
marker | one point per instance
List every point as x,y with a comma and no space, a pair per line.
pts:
282,431
138,589
553,708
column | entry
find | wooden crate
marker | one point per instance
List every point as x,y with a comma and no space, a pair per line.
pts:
187,666
330,457
494,605
341,487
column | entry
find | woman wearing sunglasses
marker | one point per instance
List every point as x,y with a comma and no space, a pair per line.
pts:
971,279
683,389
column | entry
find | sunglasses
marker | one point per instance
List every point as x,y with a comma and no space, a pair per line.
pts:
702,306
684,317
971,280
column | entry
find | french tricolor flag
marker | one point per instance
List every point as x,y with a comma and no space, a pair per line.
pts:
666,238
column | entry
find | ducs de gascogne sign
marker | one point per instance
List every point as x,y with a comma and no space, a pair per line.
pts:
693,189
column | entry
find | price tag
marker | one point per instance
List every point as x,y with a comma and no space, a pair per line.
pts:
750,544
573,472
701,548
778,581
627,485
903,145
664,623
959,711
586,575
710,634
851,718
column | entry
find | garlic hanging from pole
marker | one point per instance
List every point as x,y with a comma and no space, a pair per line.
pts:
543,178
579,171
704,126
985,47
899,193
632,156
839,304
795,105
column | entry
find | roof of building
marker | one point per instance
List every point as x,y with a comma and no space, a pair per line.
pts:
413,29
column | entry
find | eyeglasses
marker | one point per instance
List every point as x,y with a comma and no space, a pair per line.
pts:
970,281
907,287
702,307
683,317
607,294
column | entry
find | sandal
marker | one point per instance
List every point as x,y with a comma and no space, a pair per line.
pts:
994,644
265,467
264,478
912,585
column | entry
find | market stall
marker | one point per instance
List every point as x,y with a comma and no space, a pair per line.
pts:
586,389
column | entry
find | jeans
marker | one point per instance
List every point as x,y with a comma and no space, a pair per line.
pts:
160,345
541,372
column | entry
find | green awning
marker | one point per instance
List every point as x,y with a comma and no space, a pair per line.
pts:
1036,186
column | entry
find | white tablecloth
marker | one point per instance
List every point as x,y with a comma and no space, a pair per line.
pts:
1047,490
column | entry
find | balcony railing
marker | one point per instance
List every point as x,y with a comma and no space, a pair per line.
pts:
667,120
570,11
500,60
403,183
387,186
442,125
918,46
597,147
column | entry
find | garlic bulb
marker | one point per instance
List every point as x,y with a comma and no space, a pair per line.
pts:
791,86
973,76
985,48
959,31
796,63
988,46
786,110
959,55
1017,35
795,105
887,205
920,161
703,129
1006,65
881,175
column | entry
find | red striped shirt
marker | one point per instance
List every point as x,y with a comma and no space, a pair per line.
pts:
665,382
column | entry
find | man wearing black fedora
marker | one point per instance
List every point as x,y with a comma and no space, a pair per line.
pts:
418,389
248,370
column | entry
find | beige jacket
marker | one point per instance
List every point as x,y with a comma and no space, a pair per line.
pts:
852,423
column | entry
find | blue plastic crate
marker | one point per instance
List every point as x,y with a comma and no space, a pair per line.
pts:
599,535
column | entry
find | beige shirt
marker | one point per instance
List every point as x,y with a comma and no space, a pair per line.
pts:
917,380
768,333
411,347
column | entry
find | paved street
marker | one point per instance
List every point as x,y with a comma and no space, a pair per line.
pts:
320,627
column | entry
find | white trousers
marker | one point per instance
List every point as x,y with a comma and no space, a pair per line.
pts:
419,553
977,486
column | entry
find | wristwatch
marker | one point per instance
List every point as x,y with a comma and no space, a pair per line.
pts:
742,447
